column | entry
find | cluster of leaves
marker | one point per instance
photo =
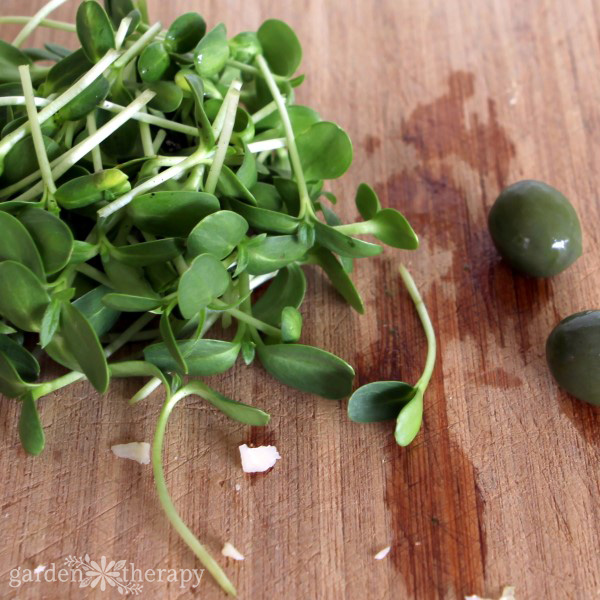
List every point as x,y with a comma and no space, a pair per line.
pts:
167,174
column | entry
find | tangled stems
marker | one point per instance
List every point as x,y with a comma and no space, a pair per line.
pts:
165,499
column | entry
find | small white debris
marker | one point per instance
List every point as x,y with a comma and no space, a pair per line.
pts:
508,593
259,459
230,552
383,553
39,569
138,451
238,487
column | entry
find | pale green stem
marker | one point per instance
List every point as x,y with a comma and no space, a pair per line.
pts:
36,130
122,32
96,152
55,105
51,23
94,274
253,70
145,390
79,151
60,382
35,21
146,136
130,332
265,111
427,326
219,121
253,321
165,499
69,133
180,264
138,46
254,147
305,201
267,145
159,138
225,137
195,178
191,161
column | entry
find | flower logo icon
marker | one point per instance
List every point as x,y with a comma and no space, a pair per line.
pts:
104,574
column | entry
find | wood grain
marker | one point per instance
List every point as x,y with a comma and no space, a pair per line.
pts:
446,101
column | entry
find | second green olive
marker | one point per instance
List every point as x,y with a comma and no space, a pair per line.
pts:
535,229
573,355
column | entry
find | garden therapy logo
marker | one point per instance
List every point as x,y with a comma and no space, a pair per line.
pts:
104,575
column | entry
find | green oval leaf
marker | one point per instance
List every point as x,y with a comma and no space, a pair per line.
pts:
203,282
244,46
343,244
138,368
280,47
291,324
148,253
409,420
339,278
11,383
238,411
31,432
262,219
89,189
100,317
185,32
231,185
23,299
287,289
23,361
168,337
50,322
153,62
203,357
367,201
82,342
84,103
379,401
51,235
391,227
217,234
267,196
168,96
194,82
11,58
171,213
325,151
66,71
308,369
94,30
273,253
17,244
127,279
212,52
128,303
21,160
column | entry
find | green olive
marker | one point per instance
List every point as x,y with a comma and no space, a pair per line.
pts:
573,355
535,229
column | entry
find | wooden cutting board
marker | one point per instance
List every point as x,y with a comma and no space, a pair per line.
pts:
447,101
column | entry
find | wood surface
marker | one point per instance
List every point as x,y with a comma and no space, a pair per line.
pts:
446,101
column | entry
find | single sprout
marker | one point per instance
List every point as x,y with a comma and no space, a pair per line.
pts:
383,400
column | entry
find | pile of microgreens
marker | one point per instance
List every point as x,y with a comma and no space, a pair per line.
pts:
167,174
